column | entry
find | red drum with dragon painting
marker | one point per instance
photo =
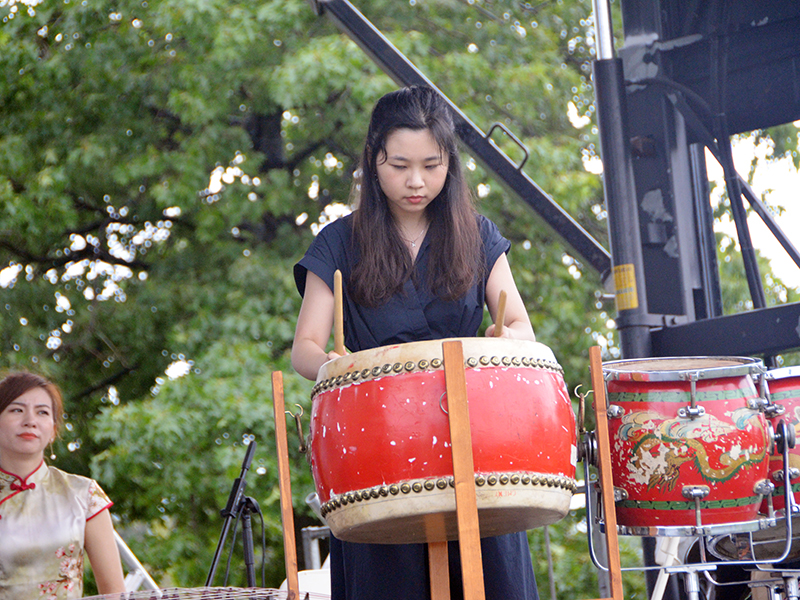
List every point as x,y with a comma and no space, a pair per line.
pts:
782,389
380,441
686,434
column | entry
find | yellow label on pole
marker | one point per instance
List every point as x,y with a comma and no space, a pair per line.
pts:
625,285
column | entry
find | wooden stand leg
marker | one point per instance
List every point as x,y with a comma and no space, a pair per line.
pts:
604,464
287,514
439,569
463,471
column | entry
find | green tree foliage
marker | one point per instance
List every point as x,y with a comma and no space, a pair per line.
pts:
162,164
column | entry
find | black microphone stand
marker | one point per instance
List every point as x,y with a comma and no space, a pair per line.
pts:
239,506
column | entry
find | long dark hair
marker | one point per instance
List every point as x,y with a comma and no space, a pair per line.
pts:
384,264
17,383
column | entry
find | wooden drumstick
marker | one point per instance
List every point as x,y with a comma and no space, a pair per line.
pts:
338,318
501,314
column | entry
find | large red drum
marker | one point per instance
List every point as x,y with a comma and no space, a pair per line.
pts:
782,388
380,441
683,431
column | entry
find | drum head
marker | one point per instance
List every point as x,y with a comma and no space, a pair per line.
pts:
682,368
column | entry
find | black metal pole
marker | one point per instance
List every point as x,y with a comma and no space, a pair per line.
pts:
249,506
623,212
751,269
231,509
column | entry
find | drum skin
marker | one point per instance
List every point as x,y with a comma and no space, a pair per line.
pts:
656,453
380,441
783,387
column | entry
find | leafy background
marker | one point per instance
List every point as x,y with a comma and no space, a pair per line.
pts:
164,163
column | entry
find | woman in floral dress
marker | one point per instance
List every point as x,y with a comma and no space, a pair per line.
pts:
48,518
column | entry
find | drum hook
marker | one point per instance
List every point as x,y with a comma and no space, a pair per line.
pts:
303,448
444,410
581,407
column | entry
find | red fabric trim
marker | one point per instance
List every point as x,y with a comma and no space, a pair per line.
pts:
21,487
23,479
106,507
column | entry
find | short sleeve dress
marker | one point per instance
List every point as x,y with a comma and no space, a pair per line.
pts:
392,571
42,522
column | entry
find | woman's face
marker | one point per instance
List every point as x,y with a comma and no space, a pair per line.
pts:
27,425
412,172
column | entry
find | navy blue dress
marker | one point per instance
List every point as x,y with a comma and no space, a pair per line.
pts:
400,571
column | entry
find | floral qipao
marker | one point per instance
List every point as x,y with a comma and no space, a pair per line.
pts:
42,522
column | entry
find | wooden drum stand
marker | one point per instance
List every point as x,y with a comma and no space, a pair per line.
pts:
463,472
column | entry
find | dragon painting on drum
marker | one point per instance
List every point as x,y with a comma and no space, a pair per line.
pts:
689,443
661,446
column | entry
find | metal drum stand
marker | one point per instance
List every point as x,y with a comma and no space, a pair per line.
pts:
594,450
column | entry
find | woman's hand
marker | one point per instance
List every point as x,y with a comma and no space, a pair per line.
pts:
517,324
334,355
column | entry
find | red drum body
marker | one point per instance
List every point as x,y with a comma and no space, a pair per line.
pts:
380,441
685,430
782,388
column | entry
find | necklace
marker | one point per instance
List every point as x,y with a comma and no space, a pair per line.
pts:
419,235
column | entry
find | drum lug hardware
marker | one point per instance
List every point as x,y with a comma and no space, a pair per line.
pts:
763,388
761,404
614,411
303,448
691,412
794,473
764,487
774,410
770,507
695,492
620,494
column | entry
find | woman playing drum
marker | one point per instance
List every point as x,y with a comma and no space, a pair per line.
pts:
418,263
